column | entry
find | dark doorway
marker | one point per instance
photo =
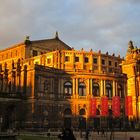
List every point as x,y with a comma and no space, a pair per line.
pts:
67,122
67,118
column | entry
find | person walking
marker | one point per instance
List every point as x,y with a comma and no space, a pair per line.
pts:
67,134
87,134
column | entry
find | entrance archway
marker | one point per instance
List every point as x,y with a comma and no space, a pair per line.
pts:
82,119
97,119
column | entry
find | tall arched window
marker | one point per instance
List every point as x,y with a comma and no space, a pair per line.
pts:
95,89
120,91
97,112
110,112
68,88
109,90
67,118
82,112
67,111
82,89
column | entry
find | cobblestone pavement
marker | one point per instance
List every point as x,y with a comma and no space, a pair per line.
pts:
109,136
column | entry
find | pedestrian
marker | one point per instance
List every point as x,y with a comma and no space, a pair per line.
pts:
98,131
87,134
67,134
103,132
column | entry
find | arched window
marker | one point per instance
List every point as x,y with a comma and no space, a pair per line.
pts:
67,118
97,112
67,111
120,91
95,89
110,112
109,90
68,88
82,89
82,112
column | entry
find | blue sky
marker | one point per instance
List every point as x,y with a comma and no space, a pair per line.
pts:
105,25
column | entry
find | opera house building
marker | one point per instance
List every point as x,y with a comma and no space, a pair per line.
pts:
48,84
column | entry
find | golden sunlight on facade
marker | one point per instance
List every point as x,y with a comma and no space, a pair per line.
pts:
52,85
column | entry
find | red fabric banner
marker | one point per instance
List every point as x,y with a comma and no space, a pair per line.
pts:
104,106
116,106
92,107
128,106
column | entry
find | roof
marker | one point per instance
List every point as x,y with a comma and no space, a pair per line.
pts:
50,44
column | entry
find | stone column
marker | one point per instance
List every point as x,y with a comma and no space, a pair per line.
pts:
125,89
73,59
99,64
88,89
62,60
101,88
76,87
114,88
104,87
82,61
116,85
91,88
91,62
58,59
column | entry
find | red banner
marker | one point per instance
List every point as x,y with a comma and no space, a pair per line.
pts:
128,106
93,107
116,106
104,106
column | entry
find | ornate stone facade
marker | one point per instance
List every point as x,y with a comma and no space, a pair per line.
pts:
131,67
54,83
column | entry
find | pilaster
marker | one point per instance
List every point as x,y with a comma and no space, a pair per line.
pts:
102,88
76,87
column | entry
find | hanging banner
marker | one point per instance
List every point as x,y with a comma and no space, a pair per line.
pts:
116,106
92,107
128,106
104,106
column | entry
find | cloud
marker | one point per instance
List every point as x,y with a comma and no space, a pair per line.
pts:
100,24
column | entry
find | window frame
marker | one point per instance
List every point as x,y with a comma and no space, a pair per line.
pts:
76,59
95,62
103,62
68,87
109,91
96,88
67,58
82,89
86,59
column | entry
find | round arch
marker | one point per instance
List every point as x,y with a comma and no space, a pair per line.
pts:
68,88
82,89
